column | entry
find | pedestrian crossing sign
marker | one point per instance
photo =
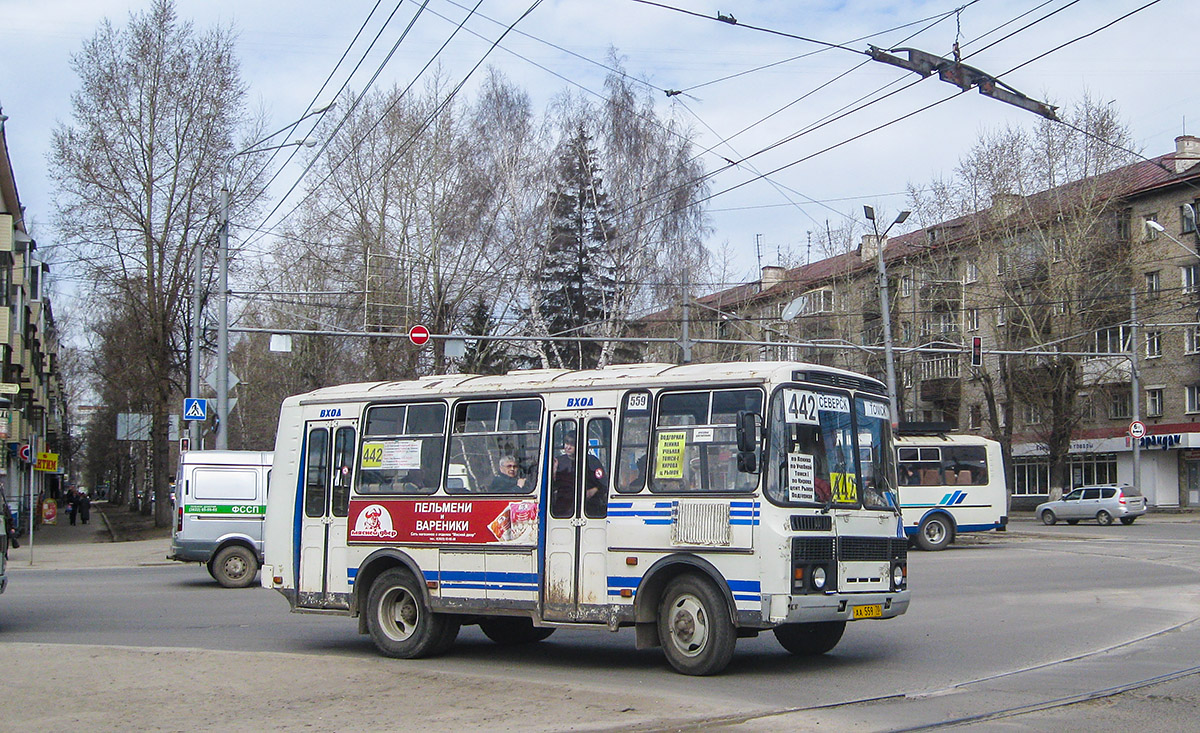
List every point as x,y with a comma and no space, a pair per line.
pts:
195,409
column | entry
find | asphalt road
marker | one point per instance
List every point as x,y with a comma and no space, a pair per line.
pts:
999,623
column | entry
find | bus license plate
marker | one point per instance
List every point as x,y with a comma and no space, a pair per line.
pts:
874,610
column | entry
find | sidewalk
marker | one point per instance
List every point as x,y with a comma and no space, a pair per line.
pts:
91,545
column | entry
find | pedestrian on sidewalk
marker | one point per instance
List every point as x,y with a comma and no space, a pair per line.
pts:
85,506
72,505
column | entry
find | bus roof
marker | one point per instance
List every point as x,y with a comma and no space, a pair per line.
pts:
555,380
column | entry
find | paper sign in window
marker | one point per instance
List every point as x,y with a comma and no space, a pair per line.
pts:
392,455
669,454
801,483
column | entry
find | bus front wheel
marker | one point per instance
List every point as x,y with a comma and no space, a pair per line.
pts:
935,533
400,623
694,626
810,639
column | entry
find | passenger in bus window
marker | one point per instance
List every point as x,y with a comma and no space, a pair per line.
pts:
508,478
562,487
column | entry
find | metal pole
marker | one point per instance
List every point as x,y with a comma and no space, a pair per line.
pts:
685,343
222,440
194,377
1135,385
32,497
886,313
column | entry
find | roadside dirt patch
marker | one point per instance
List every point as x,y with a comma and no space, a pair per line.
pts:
128,525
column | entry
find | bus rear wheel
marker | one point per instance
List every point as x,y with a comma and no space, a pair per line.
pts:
508,631
806,640
694,626
400,623
935,533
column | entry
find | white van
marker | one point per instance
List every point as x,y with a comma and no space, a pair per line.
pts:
220,501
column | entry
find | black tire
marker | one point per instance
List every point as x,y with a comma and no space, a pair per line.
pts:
1048,517
935,533
1072,522
511,631
1103,518
805,640
1127,520
235,567
400,623
694,626
448,636
211,570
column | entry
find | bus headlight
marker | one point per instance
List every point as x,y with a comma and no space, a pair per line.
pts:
898,576
818,578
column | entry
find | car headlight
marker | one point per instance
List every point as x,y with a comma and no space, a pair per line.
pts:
898,576
818,577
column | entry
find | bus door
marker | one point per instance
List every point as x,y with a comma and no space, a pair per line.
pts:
328,468
575,573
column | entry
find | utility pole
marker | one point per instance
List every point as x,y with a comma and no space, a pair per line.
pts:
1135,385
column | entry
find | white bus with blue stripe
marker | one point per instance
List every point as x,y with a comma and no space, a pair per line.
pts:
949,484
695,504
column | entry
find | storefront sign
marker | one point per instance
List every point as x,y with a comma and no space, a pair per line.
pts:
457,521
47,462
1166,442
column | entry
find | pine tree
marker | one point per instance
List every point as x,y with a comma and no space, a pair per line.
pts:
484,356
576,284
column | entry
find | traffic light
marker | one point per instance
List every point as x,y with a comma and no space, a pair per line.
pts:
976,351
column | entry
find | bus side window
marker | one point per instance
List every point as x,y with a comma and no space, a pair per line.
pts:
633,451
316,473
343,457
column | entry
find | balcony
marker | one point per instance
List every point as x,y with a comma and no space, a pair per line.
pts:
1106,370
942,367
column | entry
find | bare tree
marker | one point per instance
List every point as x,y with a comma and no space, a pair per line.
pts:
137,172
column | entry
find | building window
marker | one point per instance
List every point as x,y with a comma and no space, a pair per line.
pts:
1121,406
975,417
971,272
1153,344
1001,315
1191,340
1033,415
906,332
1191,278
1031,477
1153,283
1113,340
1147,232
1154,402
1192,399
905,286
1058,249
1123,226
973,319
1187,218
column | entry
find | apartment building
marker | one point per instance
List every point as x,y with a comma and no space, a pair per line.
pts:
1050,283
32,405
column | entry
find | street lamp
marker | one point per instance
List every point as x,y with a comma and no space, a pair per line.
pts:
1151,224
222,437
885,307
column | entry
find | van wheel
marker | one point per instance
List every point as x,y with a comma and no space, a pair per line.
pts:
697,634
507,631
400,623
1048,517
1103,518
1127,520
935,533
235,567
806,640
211,570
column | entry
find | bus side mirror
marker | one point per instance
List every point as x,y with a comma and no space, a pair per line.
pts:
747,431
747,441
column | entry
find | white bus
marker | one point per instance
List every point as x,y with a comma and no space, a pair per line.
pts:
705,503
949,484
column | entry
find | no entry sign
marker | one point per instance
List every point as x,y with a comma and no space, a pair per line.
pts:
419,335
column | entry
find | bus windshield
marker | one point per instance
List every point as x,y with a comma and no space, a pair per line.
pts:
823,452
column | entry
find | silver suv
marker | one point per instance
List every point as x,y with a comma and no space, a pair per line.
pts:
1103,503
